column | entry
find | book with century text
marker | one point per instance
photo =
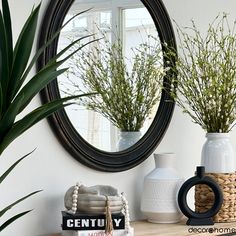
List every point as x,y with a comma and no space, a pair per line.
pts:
90,222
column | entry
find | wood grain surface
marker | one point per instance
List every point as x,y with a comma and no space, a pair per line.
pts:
143,228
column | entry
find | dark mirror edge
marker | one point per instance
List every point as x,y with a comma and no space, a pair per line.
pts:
62,127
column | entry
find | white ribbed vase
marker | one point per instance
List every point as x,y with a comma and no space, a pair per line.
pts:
161,186
217,154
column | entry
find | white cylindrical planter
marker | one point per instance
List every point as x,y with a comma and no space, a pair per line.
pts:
161,186
217,154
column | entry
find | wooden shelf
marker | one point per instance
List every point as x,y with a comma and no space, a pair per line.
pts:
144,228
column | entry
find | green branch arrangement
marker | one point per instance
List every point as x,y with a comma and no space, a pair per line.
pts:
206,69
124,96
16,93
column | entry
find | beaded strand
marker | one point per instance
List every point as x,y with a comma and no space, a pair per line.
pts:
75,198
126,213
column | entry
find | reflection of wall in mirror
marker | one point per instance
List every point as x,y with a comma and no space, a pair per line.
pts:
135,25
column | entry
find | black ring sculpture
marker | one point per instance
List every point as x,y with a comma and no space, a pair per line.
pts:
69,137
204,218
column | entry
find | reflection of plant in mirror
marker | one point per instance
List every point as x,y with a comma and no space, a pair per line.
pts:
124,96
207,75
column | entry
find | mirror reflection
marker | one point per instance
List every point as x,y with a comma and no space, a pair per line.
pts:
124,68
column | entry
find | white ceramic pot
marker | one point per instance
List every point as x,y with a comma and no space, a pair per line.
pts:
128,139
161,186
217,154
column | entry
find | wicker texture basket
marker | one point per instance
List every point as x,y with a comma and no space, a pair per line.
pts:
204,197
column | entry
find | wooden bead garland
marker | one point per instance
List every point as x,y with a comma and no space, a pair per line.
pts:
126,213
75,199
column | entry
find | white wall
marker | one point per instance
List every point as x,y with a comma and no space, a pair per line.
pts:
52,169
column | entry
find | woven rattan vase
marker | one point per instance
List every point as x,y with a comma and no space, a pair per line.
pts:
204,197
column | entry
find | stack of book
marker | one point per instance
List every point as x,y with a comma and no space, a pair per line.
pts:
91,225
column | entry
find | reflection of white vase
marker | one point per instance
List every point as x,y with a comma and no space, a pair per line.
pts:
218,154
128,139
159,195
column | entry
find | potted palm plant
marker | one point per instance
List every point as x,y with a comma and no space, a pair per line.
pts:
16,93
127,89
206,88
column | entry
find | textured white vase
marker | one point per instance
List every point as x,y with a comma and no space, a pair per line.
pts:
161,186
217,154
128,139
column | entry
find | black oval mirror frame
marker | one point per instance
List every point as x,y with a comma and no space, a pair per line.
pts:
61,125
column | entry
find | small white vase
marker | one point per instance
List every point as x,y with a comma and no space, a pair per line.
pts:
161,186
128,139
217,154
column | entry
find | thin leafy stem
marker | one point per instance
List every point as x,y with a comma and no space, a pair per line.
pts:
206,75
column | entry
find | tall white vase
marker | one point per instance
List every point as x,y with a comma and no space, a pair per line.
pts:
159,196
217,154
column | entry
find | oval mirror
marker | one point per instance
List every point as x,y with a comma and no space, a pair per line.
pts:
121,63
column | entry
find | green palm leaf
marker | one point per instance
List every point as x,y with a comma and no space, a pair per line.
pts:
4,76
46,75
22,50
58,55
11,220
7,23
10,116
8,171
35,116
41,50
37,83
2,212
1,94
22,96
